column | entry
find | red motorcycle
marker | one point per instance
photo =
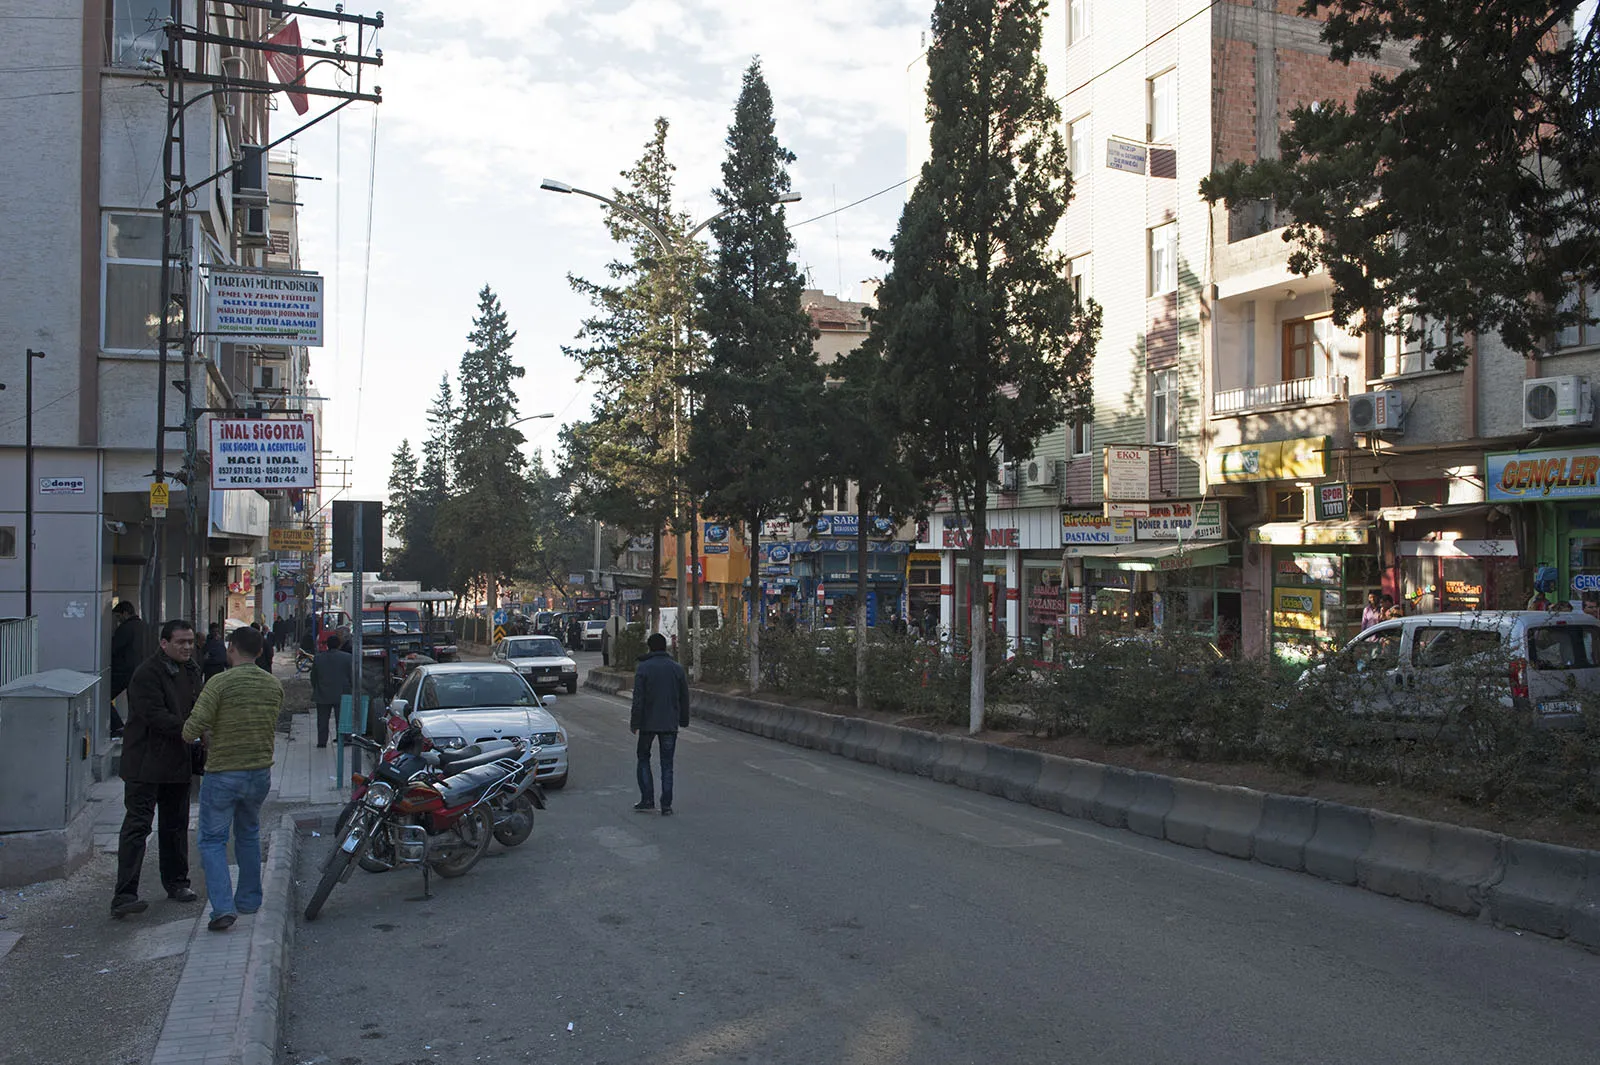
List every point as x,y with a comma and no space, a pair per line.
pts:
402,817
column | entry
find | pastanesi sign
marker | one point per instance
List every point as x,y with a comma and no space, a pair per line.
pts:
262,453
258,307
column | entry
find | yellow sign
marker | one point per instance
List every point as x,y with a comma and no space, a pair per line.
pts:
499,633
291,540
160,494
1297,608
1276,460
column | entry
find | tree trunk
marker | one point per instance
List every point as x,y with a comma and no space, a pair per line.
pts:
655,579
977,609
695,577
861,598
753,549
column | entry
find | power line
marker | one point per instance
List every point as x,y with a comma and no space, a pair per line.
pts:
1137,52
855,203
366,278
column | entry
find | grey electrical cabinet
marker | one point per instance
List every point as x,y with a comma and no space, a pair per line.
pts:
46,730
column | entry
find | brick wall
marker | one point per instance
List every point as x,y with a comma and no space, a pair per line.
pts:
1304,77
1233,81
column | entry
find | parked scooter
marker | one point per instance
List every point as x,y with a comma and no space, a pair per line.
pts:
444,825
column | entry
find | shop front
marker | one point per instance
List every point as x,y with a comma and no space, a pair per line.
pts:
1319,578
1556,494
1022,551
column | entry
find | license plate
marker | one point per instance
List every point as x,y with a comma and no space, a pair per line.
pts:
351,842
1559,707
550,676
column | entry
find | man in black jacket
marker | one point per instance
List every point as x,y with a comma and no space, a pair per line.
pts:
331,674
156,767
130,645
660,709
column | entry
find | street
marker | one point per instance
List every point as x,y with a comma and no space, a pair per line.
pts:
801,908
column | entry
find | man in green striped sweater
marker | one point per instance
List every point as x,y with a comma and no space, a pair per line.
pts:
238,709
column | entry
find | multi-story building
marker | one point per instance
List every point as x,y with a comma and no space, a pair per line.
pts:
1253,470
80,280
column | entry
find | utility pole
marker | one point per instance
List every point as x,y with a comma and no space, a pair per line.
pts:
29,488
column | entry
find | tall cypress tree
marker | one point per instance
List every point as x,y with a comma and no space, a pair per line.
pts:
420,557
750,451
402,509
984,344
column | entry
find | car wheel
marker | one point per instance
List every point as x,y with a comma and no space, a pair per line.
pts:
572,686
555,784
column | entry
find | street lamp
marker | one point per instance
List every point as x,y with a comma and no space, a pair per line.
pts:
669,248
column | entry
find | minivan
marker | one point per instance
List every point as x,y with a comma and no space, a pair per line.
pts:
1409,666
710,618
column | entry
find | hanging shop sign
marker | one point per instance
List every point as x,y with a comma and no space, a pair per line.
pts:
847,525
1182,521
1294,533
777,529
1332,501
1302,459
1127,474
263,453
291,540
1297,608
1127,156
714,538
1090,527
265,307
1553,473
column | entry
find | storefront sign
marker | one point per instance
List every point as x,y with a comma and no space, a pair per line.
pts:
997,539
62,486
1554,473
263,453
1332,501
260,307
632,595
777,552
1182,521
1291,534
291,540
1297,608
1046,604
1127,473
1457,548
846,525
1585,582
777,529
1089,527
1303,459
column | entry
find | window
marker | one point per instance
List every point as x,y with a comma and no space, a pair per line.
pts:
1307,347
1413,351
1162,95
1433,647
1078,278
1581,334
132,282
1164,407
1563,647
135,29
1378,650
1288,504
1164,259
1366,498
8,541
1077,21
1080,437
1078,146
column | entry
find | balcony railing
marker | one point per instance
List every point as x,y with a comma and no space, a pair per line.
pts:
1307,391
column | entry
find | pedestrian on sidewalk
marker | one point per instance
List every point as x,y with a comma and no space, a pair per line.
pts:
214,656
660,709
239,712
330,681
156,767
130,646
264,659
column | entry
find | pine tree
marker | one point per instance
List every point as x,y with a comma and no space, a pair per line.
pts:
420,557
751,453
985,346
402,509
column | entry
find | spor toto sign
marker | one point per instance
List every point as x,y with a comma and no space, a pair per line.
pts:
261,453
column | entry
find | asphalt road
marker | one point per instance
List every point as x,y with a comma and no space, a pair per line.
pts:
802,908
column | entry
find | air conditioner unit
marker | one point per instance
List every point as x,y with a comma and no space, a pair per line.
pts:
1005,476
267,378
250,176
255,227
1376,412
1548,402
1041,473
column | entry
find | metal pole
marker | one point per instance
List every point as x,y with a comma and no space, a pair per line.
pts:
29,488
357,689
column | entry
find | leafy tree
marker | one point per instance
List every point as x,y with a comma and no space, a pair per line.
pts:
1465,188
983,342
484,526
750,454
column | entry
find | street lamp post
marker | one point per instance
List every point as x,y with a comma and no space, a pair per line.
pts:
672,250
488,578
28,489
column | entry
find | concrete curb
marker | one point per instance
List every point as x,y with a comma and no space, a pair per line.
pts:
1513,883
267,973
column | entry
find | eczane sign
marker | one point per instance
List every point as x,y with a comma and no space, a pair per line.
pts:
260,453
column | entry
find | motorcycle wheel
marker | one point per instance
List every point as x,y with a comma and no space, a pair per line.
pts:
369,859
475,830
518,825
334,868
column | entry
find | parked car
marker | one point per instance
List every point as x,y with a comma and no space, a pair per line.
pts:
541,660
594,631
461,703
1411,667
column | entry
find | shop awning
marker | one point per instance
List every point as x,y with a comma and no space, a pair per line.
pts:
1151,556
1430,511
1311,533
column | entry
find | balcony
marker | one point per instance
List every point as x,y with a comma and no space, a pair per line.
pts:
1283,395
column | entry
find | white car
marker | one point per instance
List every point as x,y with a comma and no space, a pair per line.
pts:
461,703
541,659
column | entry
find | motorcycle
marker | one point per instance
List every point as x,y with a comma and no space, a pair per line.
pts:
303,660
403,817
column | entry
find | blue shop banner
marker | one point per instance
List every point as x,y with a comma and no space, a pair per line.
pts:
1553,473
847,524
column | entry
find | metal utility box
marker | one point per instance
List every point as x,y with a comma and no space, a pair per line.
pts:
46,731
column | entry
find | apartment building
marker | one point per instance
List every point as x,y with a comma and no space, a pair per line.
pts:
80,280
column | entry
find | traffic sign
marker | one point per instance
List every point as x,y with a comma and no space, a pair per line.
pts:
499,633
160,497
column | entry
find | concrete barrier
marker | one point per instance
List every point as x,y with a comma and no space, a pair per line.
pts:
1014,772
973,767
1397,856
1214,817
1542,888
1118,787
1463,864
1287,824
1152,800
1342,836
1085,781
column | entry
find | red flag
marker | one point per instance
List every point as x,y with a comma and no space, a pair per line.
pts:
289,66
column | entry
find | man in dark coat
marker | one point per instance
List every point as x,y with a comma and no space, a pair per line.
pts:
156,768
330,680
660,709
264,659
214,656
130,645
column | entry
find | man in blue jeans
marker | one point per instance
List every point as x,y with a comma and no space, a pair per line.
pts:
660,709
238,711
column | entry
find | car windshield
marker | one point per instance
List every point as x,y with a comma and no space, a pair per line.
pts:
1563,647
542,648
458,691
399,621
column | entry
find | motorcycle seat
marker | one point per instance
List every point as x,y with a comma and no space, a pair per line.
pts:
470,784
475,754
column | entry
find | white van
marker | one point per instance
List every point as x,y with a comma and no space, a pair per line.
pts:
1410,666
710,618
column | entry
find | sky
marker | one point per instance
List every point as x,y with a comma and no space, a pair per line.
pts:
484,98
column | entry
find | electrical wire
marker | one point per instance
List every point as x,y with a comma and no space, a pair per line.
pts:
855,203
366,281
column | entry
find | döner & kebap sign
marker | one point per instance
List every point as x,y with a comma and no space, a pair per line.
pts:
263,453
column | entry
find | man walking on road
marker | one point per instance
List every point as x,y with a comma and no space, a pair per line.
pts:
239,709
660,709
156,768
330,680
